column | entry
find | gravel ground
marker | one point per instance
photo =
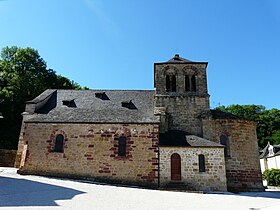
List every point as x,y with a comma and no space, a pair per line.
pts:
35,192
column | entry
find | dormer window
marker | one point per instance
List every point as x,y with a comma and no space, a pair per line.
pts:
69,103
101,95
128,104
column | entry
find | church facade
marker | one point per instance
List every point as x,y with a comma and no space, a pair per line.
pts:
162,138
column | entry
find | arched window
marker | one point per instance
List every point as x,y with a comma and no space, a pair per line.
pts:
58,144
167,83
175,167
187,83
170,82
122,146
193,82
224,141
201,163
173,83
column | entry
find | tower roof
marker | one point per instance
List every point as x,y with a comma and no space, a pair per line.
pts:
178,59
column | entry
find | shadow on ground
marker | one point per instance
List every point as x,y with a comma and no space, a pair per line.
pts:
267,194
22,192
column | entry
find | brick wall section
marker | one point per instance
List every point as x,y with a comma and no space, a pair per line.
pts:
90,150
213,179
242,167
7,157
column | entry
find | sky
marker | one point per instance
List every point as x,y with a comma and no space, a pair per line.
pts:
113,44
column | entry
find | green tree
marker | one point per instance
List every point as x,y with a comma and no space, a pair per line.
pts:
23,76
268,128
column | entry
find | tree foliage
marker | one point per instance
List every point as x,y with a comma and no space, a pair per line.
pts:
268,128
23,76
272,176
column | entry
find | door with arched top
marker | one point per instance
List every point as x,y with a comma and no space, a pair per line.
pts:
175,167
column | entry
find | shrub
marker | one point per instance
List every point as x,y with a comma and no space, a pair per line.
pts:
272,177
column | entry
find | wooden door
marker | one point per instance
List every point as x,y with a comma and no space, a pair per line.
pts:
175,167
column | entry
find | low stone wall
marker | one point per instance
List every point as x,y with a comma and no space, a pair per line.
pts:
7,157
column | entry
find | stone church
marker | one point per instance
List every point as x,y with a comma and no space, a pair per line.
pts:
162,138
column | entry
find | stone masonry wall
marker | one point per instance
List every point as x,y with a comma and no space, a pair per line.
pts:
91,150
242,166
213,179
182,113
182,107
180,70
21,141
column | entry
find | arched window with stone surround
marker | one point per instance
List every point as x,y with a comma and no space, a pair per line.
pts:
170,82
122,146
193,83
201,163
173,83
167,83
225,141
59,143
187,83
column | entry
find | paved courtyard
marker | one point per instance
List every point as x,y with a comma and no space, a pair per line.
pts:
35,192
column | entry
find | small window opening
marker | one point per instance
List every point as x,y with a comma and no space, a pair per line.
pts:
193,83
170,83
187,83
168,88
58,144
128,104
122,146
201,163
173,83
101,95
224,141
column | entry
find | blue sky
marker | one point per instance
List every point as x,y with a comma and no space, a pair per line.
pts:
112,44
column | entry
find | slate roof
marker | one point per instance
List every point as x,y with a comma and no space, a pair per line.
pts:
217,114
95,106
184,139
179,60
196,141
265,151
173,138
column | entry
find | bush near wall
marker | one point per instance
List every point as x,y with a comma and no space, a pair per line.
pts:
272,177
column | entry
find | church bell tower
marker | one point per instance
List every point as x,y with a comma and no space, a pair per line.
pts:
181,94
